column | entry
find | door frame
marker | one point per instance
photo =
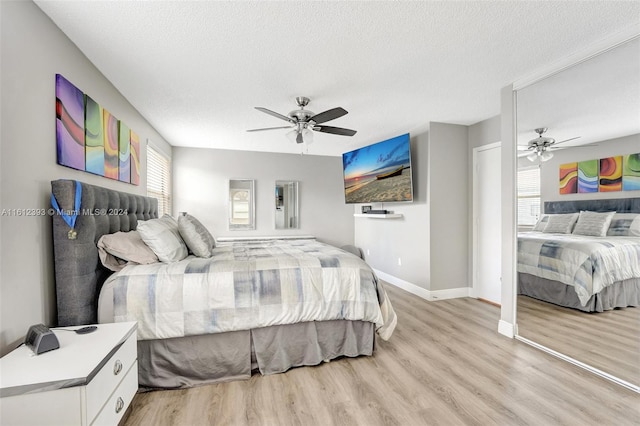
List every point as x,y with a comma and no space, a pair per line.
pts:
474,215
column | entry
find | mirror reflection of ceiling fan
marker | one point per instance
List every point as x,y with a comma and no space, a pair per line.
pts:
540,148
302,122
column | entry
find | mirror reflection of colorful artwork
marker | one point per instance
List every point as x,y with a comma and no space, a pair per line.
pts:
569,178
69,124
631,172
588,176
91,139
610,175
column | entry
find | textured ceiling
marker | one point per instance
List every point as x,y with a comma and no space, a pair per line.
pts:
195,70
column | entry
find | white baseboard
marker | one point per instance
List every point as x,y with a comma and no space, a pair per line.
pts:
506,329
429,295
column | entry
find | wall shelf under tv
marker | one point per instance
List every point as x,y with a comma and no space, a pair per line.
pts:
378,216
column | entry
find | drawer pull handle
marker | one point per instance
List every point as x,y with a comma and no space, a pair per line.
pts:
117,367
119,405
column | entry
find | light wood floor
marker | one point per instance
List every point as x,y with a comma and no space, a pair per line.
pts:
445,365
609,341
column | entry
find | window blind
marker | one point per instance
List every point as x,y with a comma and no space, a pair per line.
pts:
528,196
159,179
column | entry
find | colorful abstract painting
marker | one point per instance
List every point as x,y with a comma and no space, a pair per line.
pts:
124,155
69,124
631,172
610,174
93,129
588,176
89,138
110,145
569,178
135,158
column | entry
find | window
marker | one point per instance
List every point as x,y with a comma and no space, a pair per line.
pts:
528,196
159,179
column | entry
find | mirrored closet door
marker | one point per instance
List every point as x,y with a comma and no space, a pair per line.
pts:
592,110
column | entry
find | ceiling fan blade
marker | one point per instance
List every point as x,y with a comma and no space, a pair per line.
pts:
269,128
299,138
555,148
567,140
275,114
334,130
524,147
328,115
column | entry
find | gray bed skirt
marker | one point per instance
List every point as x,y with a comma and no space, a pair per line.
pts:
197,360
619,295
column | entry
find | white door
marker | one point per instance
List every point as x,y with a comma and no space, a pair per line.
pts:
487,223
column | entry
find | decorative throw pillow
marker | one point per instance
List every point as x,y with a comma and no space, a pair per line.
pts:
124,248
542,222
163,237
624,225
561,223
593,224
196,236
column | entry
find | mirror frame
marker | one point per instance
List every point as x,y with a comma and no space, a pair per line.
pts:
296,205
251,208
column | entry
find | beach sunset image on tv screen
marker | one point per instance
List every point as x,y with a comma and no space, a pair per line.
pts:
379,173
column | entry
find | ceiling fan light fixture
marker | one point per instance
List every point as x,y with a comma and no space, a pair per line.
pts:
546,156
533,156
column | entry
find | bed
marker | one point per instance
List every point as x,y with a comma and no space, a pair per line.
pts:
588,273
188,342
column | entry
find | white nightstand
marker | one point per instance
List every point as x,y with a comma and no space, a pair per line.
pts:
90,380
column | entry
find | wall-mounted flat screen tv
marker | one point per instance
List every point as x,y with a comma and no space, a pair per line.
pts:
379,173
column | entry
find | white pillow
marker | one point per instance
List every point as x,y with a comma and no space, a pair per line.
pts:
624,225
561,223
196,236
542,222
163,237
593,224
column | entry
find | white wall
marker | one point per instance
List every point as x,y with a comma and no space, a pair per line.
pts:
384,241
507,321
201,179
549,170
481,133
33,50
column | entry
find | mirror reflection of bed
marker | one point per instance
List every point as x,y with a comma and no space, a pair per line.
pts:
597,101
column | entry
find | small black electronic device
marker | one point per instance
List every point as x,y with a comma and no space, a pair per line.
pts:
40,339
87,329
378,212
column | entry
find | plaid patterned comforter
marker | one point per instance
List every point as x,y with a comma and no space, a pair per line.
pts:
247,285
589,264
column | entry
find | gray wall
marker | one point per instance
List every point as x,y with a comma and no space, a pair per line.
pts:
449,205
33,50
610,148
384,241
200,187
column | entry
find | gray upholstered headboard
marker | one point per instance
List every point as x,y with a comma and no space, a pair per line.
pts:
620,205
79,273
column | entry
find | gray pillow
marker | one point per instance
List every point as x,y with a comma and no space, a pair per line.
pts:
163,237
196,236
624,225
593,224
124,248
542,222
561,223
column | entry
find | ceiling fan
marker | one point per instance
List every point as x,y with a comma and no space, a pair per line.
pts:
303,121
540,148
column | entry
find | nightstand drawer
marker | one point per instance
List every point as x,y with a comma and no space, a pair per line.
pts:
109,377
117,404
